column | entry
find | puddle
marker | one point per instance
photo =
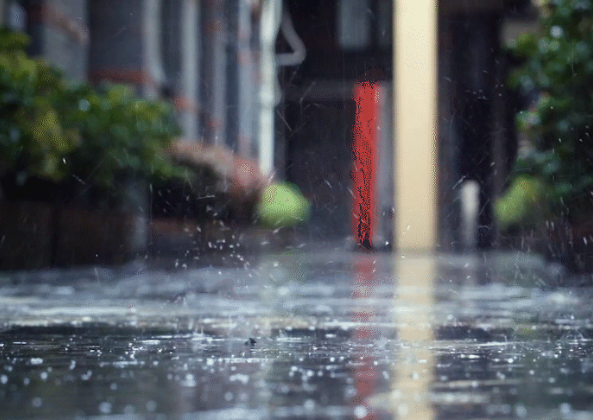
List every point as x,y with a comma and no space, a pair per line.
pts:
328,343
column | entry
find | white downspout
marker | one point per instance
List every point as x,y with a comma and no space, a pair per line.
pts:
270,21
189,66
151,27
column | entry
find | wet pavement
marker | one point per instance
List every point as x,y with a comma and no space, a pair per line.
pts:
311,334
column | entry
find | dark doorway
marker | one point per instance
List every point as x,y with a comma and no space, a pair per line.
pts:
319,162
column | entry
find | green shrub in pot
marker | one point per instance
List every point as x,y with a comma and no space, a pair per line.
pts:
65,133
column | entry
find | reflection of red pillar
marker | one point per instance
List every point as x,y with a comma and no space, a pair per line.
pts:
363,174
365,375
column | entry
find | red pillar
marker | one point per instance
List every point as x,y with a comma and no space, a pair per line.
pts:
364,171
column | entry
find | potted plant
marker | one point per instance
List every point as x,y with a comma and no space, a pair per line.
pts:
73,160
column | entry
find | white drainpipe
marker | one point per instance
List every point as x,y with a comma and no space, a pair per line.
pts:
151,27
270,22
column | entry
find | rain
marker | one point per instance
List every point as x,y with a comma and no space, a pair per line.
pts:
290,209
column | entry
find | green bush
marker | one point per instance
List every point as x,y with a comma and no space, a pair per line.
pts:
123,136
32,139
558,63
520,203
54,130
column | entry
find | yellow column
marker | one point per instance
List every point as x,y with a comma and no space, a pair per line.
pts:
415,110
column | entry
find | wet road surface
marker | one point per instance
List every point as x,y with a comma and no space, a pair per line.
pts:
322,334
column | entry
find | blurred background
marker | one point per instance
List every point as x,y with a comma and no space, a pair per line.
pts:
296,209
89,171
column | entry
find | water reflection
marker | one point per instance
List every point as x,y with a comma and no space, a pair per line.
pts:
366,370
336,335
413,304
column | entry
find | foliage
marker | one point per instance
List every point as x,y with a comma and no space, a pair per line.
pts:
32,138
282,205
558,64
520,203
52,129
123,136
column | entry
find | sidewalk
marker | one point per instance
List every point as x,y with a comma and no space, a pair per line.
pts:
310,332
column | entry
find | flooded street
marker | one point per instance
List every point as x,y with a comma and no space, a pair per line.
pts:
309,334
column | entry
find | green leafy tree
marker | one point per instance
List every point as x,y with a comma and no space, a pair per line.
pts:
558,64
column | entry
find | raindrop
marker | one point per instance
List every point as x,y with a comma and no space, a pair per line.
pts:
565,408
84,105
350,391
556,31
520,410
244,379
105,407
129,409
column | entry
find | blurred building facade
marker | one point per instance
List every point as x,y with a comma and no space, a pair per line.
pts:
348,39
200,54
205,55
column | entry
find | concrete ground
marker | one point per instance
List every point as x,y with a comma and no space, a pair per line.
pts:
309,332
